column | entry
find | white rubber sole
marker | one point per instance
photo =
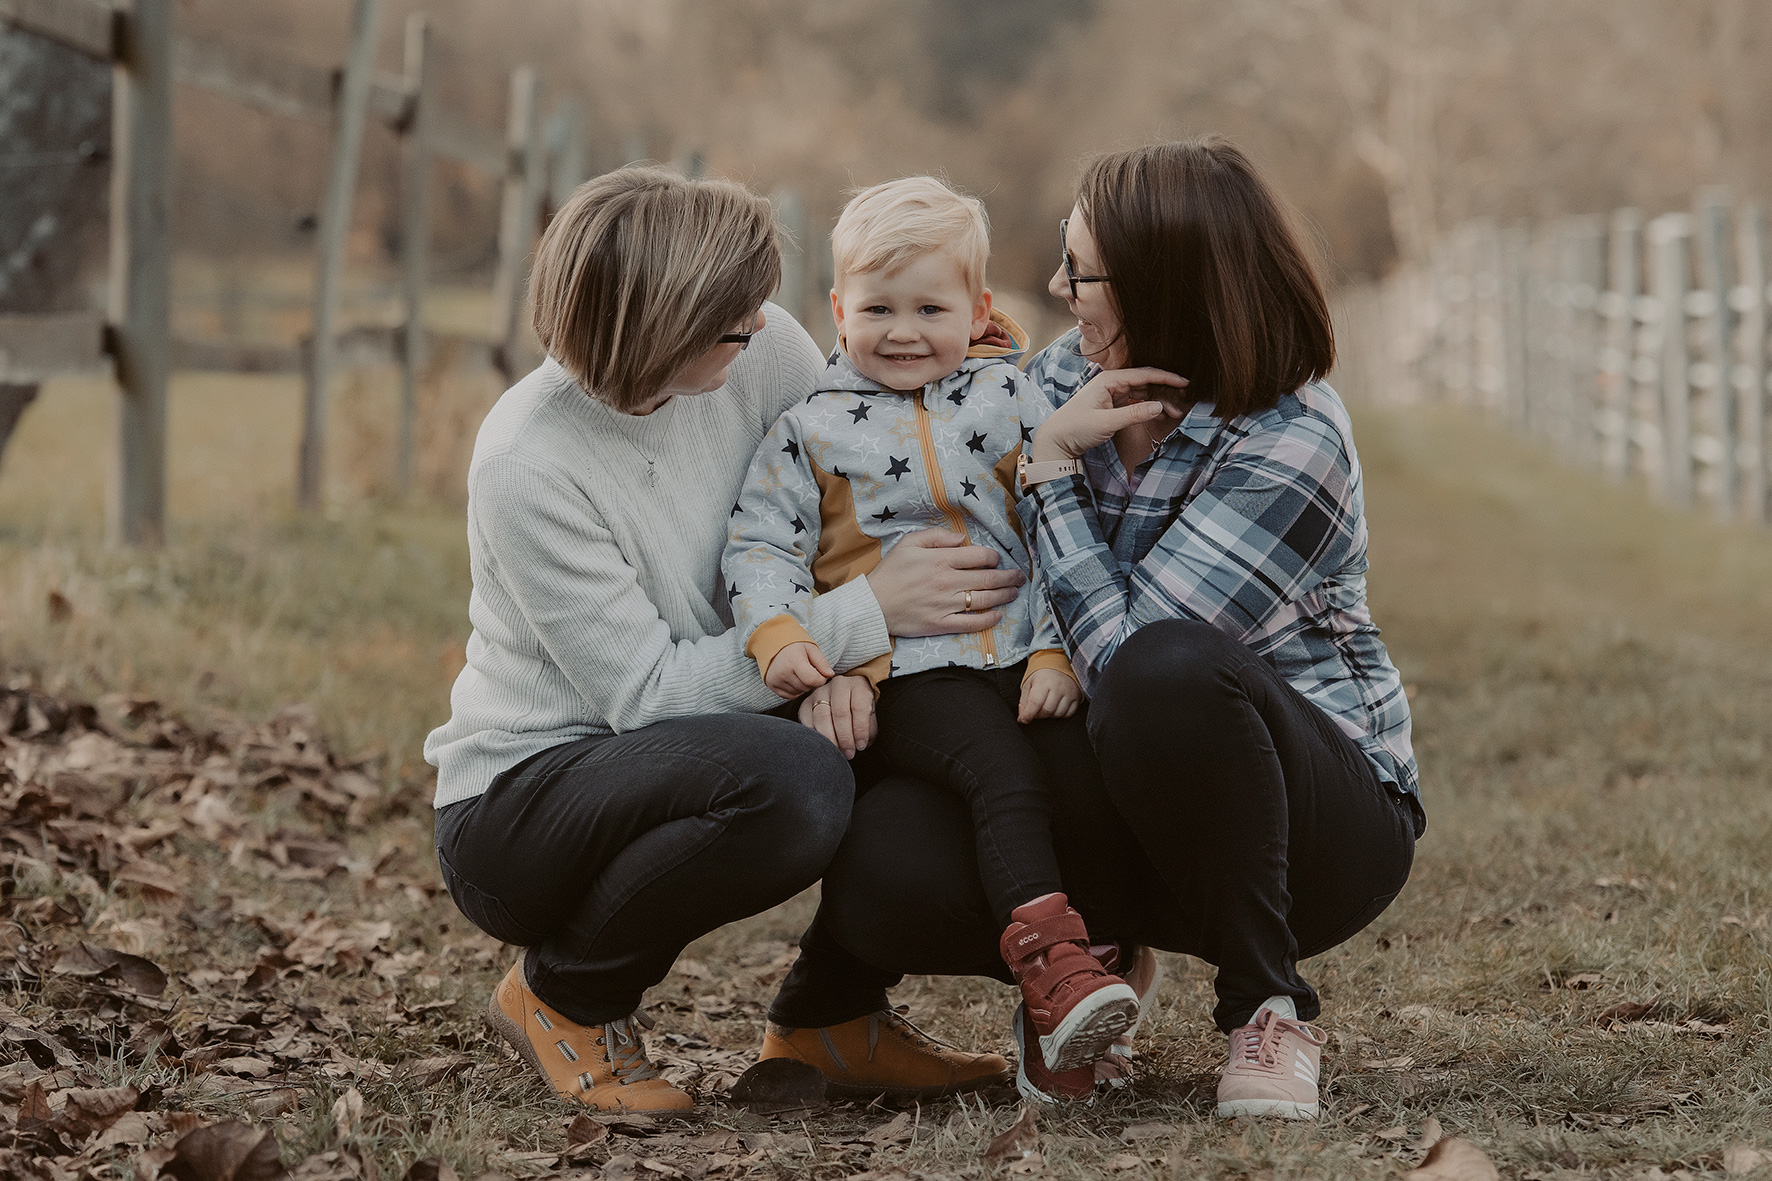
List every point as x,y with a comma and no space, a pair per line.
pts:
1023,1084
1089,1029
1284,1108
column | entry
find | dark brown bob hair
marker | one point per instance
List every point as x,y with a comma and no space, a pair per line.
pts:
1207,273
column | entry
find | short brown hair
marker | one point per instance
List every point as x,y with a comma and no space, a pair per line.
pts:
640,273
1209,277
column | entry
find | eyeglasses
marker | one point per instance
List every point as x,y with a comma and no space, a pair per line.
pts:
741,339
1069,271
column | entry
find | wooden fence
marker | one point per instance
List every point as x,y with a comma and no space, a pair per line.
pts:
1634,345
538,162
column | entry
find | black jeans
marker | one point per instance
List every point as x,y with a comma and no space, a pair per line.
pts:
956,728
1227,817
606,856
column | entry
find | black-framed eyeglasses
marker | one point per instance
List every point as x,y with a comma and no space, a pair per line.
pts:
1070,272
741,339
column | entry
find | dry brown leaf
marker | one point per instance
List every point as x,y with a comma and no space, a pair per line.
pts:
584,1131
225,1152
1624,1012
776,1085
1394,1133
132,1127
1149,1130
425,1073
1739,1159
431,1168
1028,1165
244,1066
347,1111
101,1107
1431,1134
1456,1159
896,1130
151,880
34,1107
131,972
1122,1161
1019,1141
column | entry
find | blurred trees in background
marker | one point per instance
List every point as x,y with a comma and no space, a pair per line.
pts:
1384,121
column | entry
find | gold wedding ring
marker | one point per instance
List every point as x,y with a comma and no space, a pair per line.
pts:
968,600
816,704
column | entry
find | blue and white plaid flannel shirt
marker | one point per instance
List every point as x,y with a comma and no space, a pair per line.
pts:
1256,526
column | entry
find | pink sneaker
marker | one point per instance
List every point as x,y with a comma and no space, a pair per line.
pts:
1273,1069
1075,1005
1138,966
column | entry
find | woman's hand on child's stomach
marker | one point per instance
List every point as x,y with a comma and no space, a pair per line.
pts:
796,669
1048,693
842,709
935,583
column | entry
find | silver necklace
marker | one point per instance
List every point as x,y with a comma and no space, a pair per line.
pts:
651,464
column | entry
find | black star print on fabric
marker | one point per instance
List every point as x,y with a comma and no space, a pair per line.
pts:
884,515
735,510
860,412
799,525
1027,433
805,590
732,592
958,397
839,473
898,467
793,450
1009,386
967,488
976,442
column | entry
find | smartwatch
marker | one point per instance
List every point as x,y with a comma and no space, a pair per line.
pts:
1029,474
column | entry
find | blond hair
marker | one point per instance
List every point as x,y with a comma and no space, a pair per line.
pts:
885,227
640,273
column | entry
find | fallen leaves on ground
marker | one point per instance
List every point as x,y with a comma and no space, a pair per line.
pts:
1019,1141
1456,1159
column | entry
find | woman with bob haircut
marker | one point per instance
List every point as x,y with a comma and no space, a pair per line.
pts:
609,785
1196,502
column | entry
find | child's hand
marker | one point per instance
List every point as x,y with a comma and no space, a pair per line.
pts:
798,668
843,711
1048,693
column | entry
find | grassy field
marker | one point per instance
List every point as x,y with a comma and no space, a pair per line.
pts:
1577,979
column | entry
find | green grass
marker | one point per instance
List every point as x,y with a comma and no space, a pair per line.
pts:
1592,681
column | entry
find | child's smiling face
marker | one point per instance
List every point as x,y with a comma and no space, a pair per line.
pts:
909,327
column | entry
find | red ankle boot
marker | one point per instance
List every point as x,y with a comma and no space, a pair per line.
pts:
1075,1006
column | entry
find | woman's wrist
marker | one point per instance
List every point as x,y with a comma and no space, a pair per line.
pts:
1045,448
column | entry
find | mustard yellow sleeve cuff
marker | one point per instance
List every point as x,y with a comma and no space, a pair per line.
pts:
1052,658
771,636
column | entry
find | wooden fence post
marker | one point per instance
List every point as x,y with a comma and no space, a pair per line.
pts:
415,236
1618,308
1585,248
141,266
1668,241
1748,378
1517,401
335,224
518,218
791,213
566,154
1716,445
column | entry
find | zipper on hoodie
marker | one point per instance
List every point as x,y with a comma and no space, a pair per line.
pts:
938,489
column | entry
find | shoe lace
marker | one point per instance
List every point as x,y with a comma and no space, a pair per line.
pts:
627,1055
1260,1041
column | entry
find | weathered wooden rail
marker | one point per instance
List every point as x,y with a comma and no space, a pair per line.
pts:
1634,345
133,337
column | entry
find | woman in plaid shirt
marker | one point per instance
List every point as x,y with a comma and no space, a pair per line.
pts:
1253,798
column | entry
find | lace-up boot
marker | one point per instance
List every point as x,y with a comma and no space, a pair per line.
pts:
1274,1063
602,1066
883,1054
1075,1006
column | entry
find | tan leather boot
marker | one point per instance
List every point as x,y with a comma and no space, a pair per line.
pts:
601,1066
883,1054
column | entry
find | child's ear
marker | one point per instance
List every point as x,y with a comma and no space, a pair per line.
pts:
837,310
981,314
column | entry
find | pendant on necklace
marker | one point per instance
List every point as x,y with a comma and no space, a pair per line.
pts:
651,474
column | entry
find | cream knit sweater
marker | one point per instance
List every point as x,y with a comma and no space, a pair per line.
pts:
598,605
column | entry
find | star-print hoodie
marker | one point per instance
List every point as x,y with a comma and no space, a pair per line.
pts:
841,477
